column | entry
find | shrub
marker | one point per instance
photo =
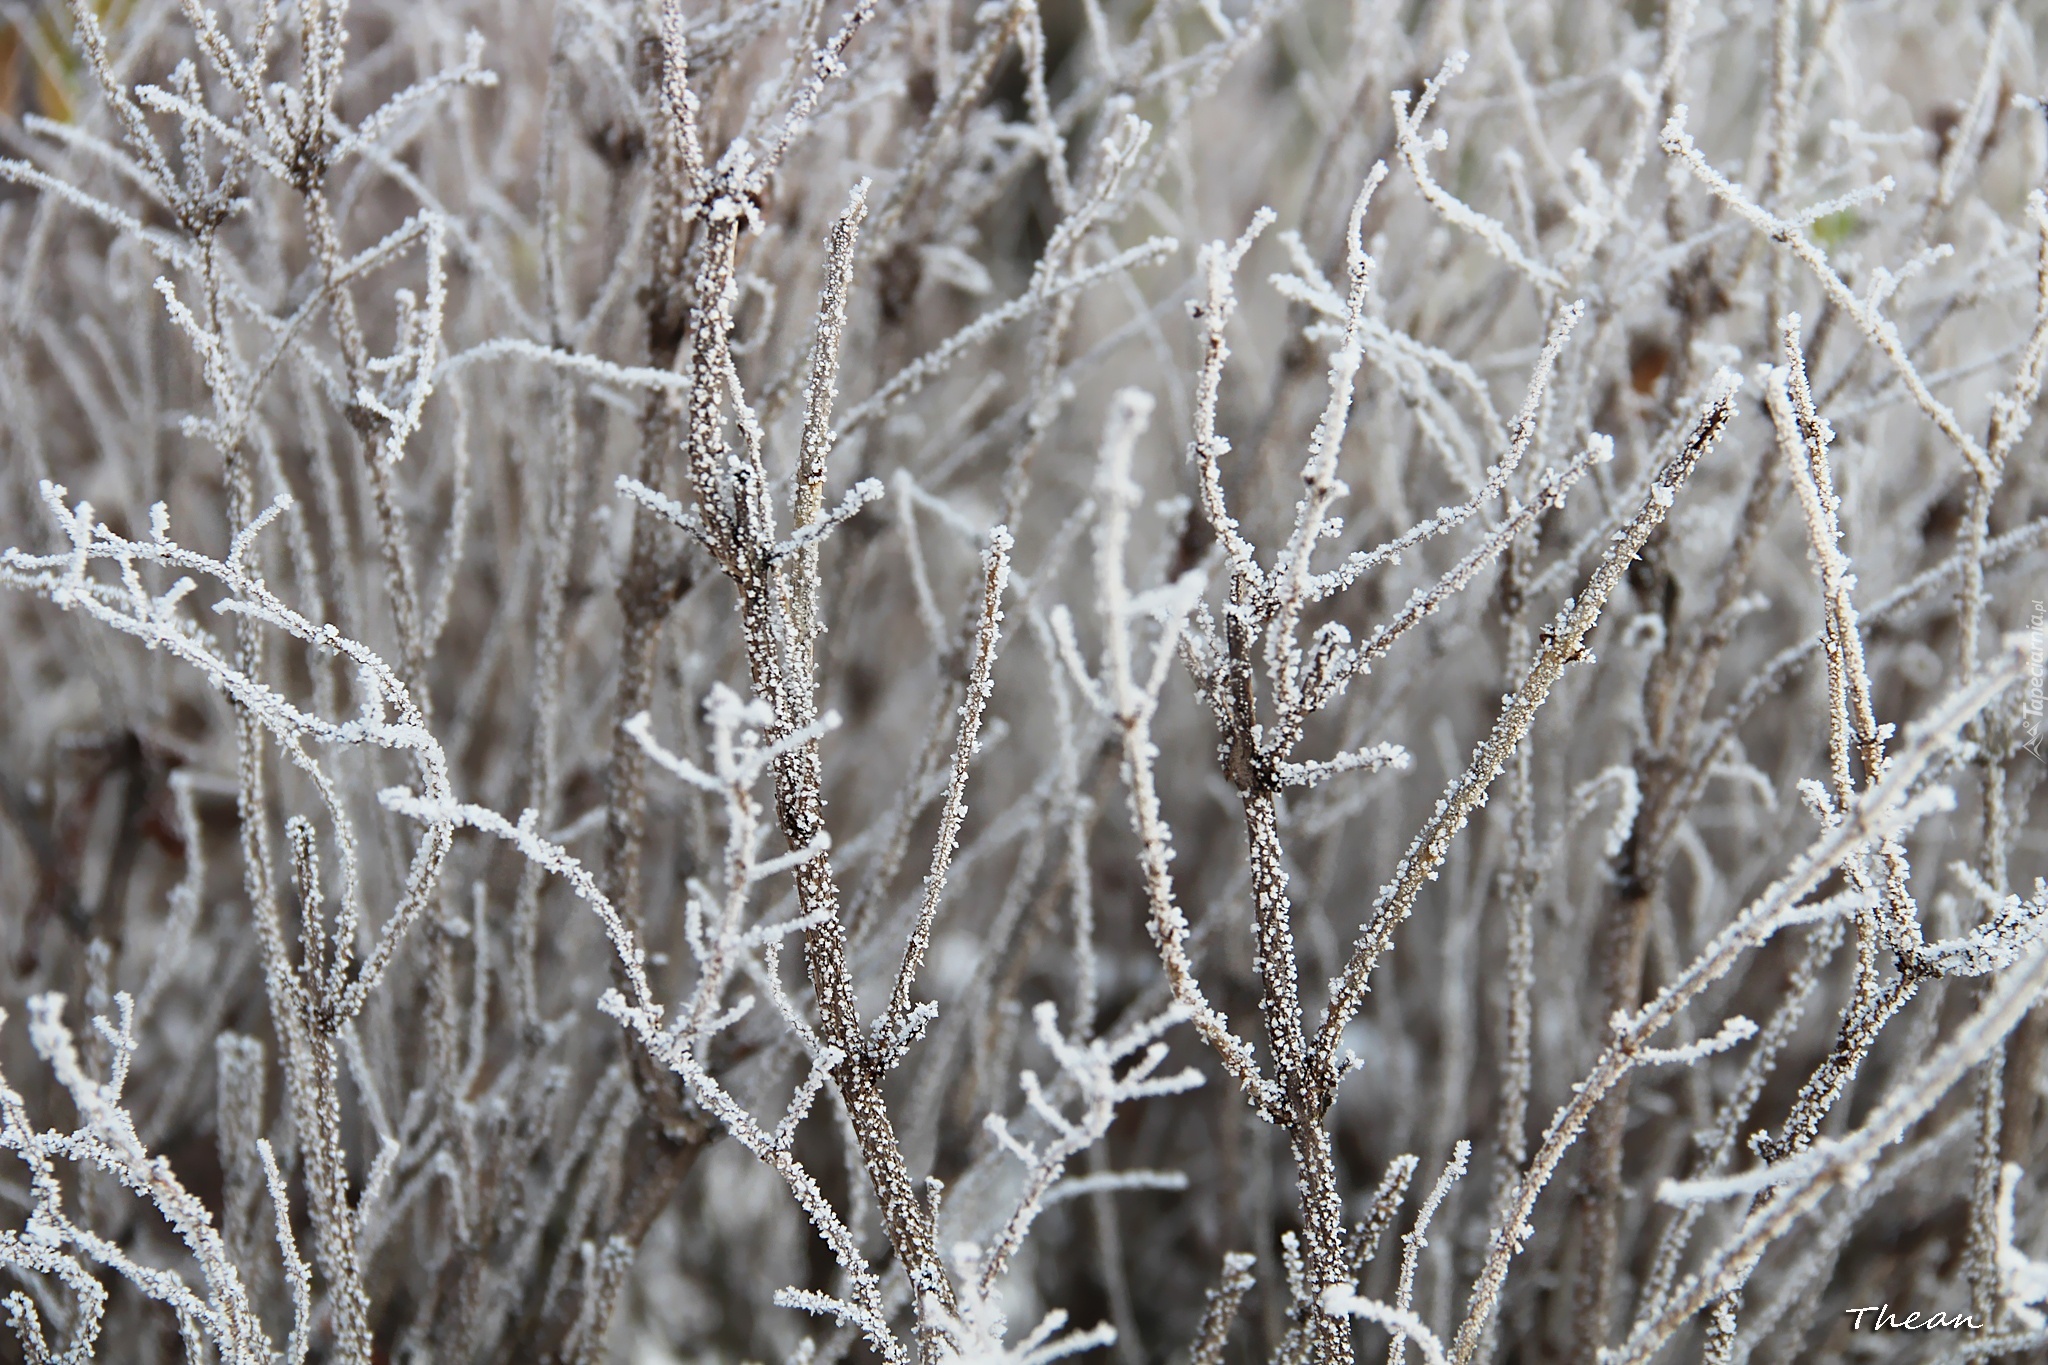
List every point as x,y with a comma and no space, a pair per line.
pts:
1199,680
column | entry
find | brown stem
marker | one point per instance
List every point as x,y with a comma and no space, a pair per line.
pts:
1305,1094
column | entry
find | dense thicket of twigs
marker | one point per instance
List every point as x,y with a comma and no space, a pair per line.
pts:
1195,680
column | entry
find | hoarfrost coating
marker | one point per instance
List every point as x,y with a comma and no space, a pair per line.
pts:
953,682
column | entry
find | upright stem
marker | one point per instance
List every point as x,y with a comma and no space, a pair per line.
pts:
1305,1095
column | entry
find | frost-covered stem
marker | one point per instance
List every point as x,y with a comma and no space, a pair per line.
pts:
1880,330
800,805
318,1097
1966,141
1846,1161
1416,1241
973,708
1984,1271
820,392
1166,922
1519,888
1415,149
1735,1111
1219,264
1876,815
1221,1310
1305,1090
307,1029
1563,644
393,541
655,576
781,659
1982,1268
2012,413
1130,709
400,581
1056,313
1803,438
306,1026
971,77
